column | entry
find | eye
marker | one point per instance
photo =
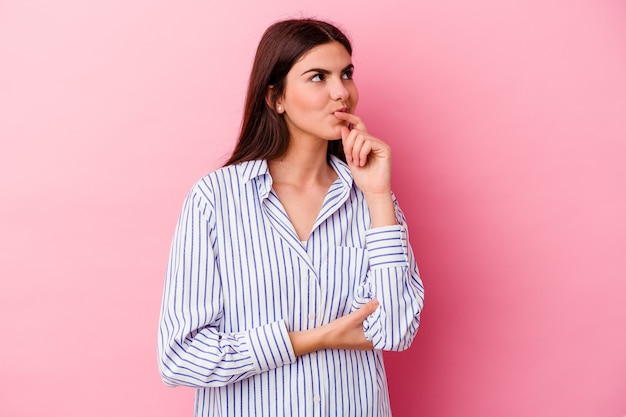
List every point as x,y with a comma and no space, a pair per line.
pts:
348,74
318,78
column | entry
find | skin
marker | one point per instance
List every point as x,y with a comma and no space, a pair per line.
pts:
318,106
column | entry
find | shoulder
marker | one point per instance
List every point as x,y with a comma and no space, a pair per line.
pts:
227,181
213,178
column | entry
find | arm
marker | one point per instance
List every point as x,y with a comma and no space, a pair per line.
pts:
343,333
393,277
191,349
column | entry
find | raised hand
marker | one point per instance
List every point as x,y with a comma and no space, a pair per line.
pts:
369,160
368,157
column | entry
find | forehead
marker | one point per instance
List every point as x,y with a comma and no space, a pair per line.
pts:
326,56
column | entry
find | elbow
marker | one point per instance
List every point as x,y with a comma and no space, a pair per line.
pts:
168,368
177,371
393,344
174,372
169,381
183,369
398,348
171,374
175,375
393,338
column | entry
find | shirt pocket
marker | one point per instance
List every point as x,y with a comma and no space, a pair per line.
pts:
344,270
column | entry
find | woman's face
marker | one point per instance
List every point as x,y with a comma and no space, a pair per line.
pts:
318,85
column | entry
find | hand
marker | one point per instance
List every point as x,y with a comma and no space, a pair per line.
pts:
343,333
369,158
347,332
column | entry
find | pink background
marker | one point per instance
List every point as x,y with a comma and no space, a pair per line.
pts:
508,124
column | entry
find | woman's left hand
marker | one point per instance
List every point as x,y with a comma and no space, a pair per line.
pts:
369,158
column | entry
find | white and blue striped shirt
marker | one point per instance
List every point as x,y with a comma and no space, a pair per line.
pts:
239,279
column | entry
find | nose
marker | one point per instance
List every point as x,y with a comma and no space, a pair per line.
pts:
338,91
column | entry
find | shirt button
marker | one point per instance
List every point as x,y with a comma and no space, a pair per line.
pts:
316,398
312,316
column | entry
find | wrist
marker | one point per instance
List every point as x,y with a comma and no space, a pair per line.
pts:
307,341
381,207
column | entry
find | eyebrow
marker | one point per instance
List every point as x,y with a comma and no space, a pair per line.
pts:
325,71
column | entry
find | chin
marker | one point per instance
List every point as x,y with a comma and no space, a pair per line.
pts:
335,134
332,138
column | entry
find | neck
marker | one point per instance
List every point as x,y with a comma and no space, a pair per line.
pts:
302,165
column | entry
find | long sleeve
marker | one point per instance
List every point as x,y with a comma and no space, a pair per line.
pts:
192,351
239,278
393,278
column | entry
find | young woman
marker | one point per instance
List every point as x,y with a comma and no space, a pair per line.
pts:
290,269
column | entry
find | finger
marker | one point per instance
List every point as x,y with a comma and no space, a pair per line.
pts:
364,152
369,307
357,148
347,141
353,119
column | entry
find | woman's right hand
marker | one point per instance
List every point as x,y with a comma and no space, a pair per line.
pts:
343,333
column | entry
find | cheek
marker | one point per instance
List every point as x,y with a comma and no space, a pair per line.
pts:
303,101
354,97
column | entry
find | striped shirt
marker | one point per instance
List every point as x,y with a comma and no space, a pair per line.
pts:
239,279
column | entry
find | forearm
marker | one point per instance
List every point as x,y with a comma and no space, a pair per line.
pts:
307,341
343,333
395,324
394,280
212,358
381,208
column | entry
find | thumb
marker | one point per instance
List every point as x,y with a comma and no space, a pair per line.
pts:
367,309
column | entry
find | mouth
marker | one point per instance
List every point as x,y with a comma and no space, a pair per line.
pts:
342,109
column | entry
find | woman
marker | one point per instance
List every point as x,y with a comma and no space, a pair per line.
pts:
290,268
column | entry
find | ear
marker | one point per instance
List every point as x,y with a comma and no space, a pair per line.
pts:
275,104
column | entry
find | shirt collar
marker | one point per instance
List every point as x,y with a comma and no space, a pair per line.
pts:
249,170
342,170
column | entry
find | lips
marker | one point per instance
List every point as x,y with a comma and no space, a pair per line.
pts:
342,109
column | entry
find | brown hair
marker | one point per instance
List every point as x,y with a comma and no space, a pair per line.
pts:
264,133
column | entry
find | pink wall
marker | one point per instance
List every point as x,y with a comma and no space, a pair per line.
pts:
508,122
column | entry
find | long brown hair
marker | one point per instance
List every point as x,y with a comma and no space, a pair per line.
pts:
264,133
